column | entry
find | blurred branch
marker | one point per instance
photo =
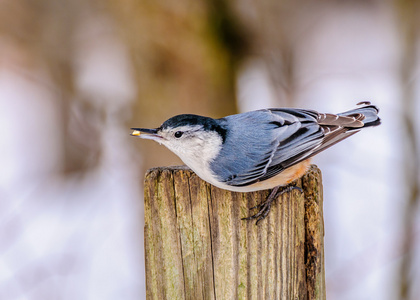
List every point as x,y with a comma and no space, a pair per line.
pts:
228,30
409,23
279,30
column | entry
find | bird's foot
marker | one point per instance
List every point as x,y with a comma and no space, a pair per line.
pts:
264,207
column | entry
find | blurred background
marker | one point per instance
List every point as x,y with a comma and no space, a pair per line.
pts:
76,75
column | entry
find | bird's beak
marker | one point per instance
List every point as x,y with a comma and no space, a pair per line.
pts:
151,134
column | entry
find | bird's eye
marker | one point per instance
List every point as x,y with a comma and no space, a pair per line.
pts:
178,134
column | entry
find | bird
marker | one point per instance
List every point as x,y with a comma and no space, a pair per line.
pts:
257,150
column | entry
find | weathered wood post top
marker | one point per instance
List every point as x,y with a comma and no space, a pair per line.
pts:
197,246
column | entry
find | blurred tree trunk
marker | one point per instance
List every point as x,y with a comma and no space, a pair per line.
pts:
185,56
37,43
278,30
409,22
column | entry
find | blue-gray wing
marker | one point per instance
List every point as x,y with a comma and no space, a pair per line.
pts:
261,144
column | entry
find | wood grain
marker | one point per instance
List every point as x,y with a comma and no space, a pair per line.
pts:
197,246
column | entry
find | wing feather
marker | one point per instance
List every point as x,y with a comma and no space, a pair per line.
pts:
291,136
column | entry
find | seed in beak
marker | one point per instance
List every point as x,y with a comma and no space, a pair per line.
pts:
136,133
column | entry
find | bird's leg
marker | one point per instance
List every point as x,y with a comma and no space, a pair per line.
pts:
264,207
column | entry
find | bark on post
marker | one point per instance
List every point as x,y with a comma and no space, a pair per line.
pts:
197,246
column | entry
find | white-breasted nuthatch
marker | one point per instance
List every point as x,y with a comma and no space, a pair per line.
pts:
257,150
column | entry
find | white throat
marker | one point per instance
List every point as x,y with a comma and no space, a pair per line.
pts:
199,153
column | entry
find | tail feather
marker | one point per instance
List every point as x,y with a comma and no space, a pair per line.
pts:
346,124
368,110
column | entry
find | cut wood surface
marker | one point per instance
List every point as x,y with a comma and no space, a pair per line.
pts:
197,246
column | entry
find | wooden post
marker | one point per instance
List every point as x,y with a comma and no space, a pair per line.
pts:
197,246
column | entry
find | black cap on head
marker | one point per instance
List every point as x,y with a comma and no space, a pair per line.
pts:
207,123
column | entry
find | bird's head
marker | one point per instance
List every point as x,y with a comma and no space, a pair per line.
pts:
191,137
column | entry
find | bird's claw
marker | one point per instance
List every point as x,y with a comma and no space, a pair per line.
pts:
262,213
264,207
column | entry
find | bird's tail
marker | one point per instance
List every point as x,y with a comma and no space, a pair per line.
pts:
367,109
